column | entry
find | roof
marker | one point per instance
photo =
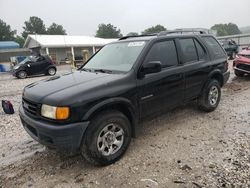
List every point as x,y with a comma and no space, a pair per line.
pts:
8,45
55,41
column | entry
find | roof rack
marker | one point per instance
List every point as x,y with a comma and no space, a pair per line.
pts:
199,31
133,36
181,31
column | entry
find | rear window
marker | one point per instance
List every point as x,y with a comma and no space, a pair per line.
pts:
217,50
189,50
200,50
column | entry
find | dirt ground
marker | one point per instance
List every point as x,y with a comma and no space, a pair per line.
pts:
182,148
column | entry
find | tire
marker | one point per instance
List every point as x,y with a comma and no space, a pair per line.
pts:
22,74
238,73
110,127
51,71
210,97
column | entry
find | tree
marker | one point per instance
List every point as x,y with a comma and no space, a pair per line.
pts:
154,29
132,34
108,31
226,29
56,29
5,32
20,40
35,25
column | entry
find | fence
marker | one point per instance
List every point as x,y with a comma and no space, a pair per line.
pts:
242,39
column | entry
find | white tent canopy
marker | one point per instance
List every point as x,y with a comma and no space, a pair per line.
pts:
57,41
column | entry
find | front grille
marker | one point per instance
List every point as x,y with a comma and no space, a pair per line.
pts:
243,66
30,107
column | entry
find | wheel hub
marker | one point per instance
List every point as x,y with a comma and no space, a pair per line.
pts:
110,139
213,95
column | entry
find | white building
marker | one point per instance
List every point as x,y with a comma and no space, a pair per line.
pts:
62,47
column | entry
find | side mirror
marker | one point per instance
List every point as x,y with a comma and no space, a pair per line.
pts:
151,67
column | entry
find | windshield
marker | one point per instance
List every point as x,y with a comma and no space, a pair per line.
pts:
116,57
28,59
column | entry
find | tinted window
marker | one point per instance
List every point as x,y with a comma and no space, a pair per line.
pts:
200,50
215,47
165,52
189,50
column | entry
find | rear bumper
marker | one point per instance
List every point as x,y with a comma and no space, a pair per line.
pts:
226,77
63,137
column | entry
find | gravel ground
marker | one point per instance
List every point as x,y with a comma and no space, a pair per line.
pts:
182,148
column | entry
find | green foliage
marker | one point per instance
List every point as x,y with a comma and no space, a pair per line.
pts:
108,31
154,29
5,32
226,29
132,34
56,29
35,25
20,40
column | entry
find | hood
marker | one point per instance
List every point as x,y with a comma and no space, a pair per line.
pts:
58,89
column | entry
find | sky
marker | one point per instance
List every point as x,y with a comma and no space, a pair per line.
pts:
81,17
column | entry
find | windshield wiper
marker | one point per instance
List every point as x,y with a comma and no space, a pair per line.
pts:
87,70
103,71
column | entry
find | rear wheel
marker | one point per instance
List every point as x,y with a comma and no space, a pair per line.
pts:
107,138
210,97
238,73
22,74
51,71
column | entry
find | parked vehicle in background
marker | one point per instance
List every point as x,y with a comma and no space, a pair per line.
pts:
96,109
230,47
15,60
241,64
34,65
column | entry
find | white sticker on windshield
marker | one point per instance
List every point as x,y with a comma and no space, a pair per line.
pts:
131,44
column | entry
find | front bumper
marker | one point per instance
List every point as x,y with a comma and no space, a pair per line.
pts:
63,137
226,77
243,67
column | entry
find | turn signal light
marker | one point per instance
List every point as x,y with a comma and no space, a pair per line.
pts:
62,113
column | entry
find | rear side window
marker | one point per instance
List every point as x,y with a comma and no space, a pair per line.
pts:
165,52
217,50
200,50
189,50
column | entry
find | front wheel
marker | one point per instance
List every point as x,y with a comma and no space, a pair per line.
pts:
22,74
210,96
106,138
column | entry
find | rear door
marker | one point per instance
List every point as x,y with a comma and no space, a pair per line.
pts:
162,90
196,69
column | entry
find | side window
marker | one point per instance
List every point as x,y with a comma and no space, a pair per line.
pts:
215,47
200,50
189,50
165,52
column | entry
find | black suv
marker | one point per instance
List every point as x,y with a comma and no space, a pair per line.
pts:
96,109
33,66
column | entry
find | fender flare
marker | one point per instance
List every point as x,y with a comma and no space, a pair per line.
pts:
216,74
134,115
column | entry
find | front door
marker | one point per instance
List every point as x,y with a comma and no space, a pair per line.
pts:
163,90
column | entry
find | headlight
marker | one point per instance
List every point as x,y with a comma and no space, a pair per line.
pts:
52,112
